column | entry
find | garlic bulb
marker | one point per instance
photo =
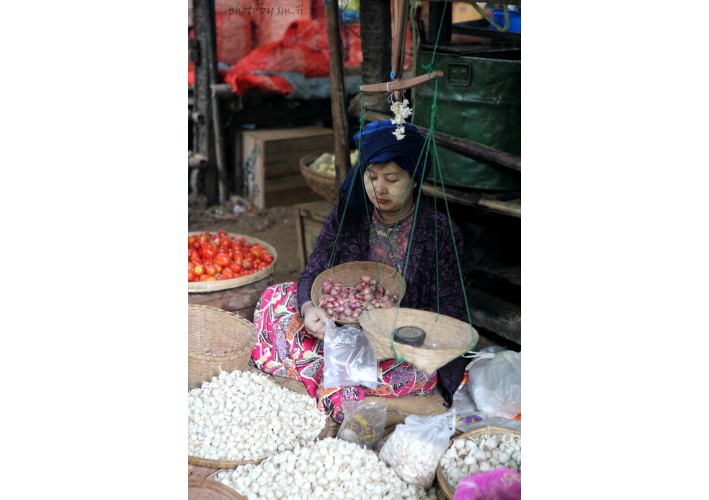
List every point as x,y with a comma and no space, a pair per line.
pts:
244,416
329,468
470,455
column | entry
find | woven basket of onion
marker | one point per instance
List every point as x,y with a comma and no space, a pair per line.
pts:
347,290
445,338
478,450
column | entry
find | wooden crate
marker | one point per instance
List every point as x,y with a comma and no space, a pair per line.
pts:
308,224
270,160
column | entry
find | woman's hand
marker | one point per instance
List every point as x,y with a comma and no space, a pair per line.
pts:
314,320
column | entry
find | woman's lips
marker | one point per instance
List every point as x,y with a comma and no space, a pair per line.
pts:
382,201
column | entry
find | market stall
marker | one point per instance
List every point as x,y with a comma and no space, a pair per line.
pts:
257,425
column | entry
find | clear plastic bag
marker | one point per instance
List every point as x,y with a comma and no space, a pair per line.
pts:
349,358
415,447
363,423
495,382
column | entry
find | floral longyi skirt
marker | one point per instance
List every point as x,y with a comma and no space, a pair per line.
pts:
285,348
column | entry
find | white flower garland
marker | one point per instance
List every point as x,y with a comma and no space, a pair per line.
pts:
401,112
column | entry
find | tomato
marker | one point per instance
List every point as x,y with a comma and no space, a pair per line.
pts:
219,256
222,259
208,251
257,250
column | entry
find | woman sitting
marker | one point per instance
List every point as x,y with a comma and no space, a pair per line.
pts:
376,214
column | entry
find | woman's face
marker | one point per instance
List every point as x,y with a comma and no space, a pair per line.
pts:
388,187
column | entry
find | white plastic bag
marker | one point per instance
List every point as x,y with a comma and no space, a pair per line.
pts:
495,382
415,447
349,358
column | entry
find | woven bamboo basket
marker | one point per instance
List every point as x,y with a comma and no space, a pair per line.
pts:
206,489
214,286
323,184
446,337
445,489
350,273
218,339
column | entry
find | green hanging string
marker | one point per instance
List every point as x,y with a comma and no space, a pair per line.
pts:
429,146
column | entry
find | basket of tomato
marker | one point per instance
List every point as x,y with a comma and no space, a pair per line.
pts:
220,260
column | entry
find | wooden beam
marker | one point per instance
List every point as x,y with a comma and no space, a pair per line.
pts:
337,91
465,147
400,84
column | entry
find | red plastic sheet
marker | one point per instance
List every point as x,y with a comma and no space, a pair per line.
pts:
303,49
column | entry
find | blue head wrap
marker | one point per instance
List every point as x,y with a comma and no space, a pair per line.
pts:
379,145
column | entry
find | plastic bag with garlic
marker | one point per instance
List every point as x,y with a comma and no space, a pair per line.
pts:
415,447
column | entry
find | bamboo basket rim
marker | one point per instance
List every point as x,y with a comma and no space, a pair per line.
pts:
215,286
212,487
368,267
443,484
377,324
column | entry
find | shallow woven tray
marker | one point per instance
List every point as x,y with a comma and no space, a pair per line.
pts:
446,337
213,286
206,489
217,339
322,184
350,274
444,488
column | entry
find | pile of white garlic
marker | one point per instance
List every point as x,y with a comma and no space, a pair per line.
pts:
470,455
244,416
329,468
